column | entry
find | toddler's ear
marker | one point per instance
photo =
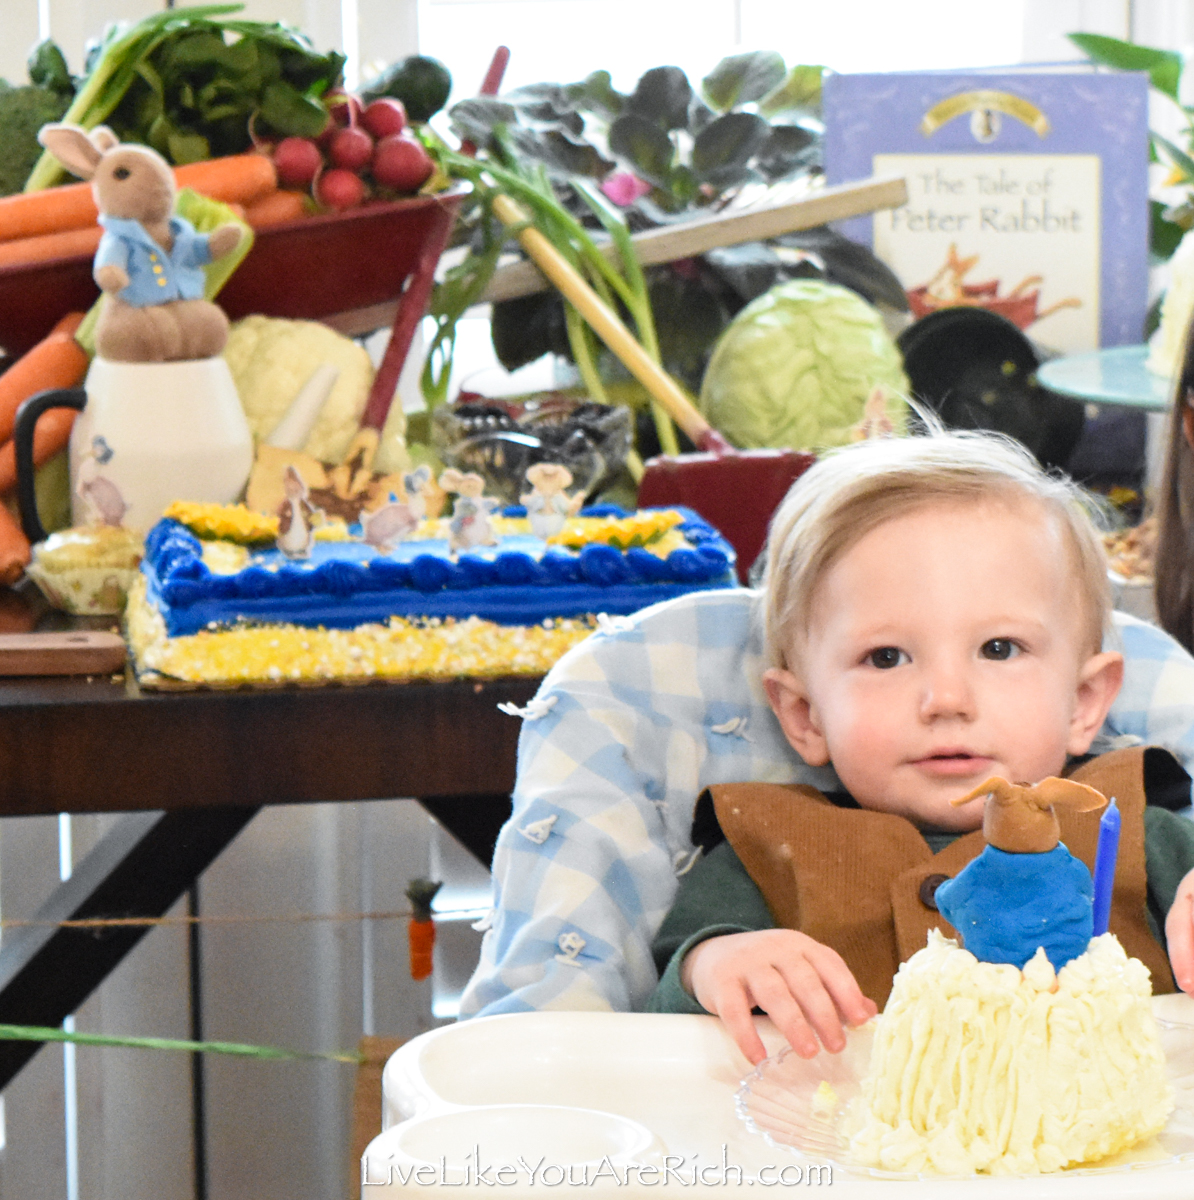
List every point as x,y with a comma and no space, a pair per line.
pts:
1099,681
794,710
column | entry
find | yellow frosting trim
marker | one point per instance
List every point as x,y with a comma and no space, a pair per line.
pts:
639,529
397,650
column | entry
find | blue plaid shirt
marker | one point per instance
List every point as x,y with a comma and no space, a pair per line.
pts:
624,734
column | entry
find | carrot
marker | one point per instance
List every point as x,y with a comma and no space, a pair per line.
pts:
57,361
70,242
31,214
14,548
276,207
50,436
421,936
420,929
236,179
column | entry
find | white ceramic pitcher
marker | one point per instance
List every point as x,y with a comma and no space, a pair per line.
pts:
148,434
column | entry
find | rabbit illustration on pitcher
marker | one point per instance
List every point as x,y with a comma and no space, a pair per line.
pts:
160,416
149,262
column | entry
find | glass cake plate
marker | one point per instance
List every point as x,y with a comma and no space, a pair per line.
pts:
783,1100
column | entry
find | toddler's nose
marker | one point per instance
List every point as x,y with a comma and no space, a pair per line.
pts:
947,693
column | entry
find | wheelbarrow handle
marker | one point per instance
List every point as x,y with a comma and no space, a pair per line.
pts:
413,304
608,326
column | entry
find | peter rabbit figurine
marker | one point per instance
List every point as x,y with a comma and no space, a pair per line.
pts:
1025,890
148,262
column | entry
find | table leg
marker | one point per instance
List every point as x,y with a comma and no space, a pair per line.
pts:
138,869
473,820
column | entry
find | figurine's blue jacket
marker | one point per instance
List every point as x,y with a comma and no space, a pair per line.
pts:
154,276
1006,905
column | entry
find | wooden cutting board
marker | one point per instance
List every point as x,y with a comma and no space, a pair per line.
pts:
71,652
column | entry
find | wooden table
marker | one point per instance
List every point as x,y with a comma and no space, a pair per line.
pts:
191,769
95,745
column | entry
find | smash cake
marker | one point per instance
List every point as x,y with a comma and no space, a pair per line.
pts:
220,602
994,1061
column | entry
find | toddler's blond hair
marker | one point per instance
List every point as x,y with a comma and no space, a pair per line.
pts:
857,488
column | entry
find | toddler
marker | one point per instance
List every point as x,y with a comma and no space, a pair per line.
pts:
936,610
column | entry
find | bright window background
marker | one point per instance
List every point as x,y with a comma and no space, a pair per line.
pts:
566,39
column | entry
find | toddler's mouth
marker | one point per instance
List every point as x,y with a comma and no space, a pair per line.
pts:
951,761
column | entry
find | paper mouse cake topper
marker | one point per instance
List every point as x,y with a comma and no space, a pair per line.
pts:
1025,890
547,503
149,261
470,524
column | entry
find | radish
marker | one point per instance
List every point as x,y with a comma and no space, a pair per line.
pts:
351,148
340,189
401,163
297,160
384,117
344,109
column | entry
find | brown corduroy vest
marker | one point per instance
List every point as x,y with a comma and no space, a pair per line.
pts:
852,878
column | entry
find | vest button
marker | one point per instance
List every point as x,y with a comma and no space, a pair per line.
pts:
928,890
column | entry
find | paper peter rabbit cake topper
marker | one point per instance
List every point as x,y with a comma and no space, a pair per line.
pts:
149,261
296,517
1025,891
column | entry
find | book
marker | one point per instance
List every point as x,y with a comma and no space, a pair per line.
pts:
1027,193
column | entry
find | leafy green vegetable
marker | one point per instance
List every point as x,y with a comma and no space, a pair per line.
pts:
742,78
421,83
188,81
47,68
796,366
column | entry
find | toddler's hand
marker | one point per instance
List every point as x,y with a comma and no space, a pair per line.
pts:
1179,934
803,986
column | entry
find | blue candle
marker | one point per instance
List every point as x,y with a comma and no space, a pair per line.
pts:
1104,872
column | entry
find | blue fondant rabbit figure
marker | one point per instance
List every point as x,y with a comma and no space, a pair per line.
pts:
1025,889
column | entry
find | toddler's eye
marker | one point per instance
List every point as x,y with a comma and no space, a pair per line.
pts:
886,657
1000,649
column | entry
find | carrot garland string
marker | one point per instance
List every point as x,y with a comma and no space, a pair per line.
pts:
421,926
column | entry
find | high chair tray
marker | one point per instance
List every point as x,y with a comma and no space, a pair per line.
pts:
555,1091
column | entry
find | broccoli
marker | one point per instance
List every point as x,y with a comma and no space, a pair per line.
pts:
24,110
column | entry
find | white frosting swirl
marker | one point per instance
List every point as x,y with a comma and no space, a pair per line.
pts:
981,1067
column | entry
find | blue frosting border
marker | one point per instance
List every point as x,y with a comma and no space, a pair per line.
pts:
511,588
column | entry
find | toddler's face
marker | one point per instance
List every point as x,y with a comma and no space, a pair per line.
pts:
948,645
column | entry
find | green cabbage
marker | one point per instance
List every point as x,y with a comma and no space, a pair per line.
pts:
794,368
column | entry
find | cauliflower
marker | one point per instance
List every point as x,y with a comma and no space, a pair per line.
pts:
271,359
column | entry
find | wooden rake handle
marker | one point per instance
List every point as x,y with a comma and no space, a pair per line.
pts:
607,325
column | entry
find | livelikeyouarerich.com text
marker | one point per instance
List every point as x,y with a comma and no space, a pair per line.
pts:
673,1170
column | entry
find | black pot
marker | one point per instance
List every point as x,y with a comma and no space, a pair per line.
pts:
977,371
